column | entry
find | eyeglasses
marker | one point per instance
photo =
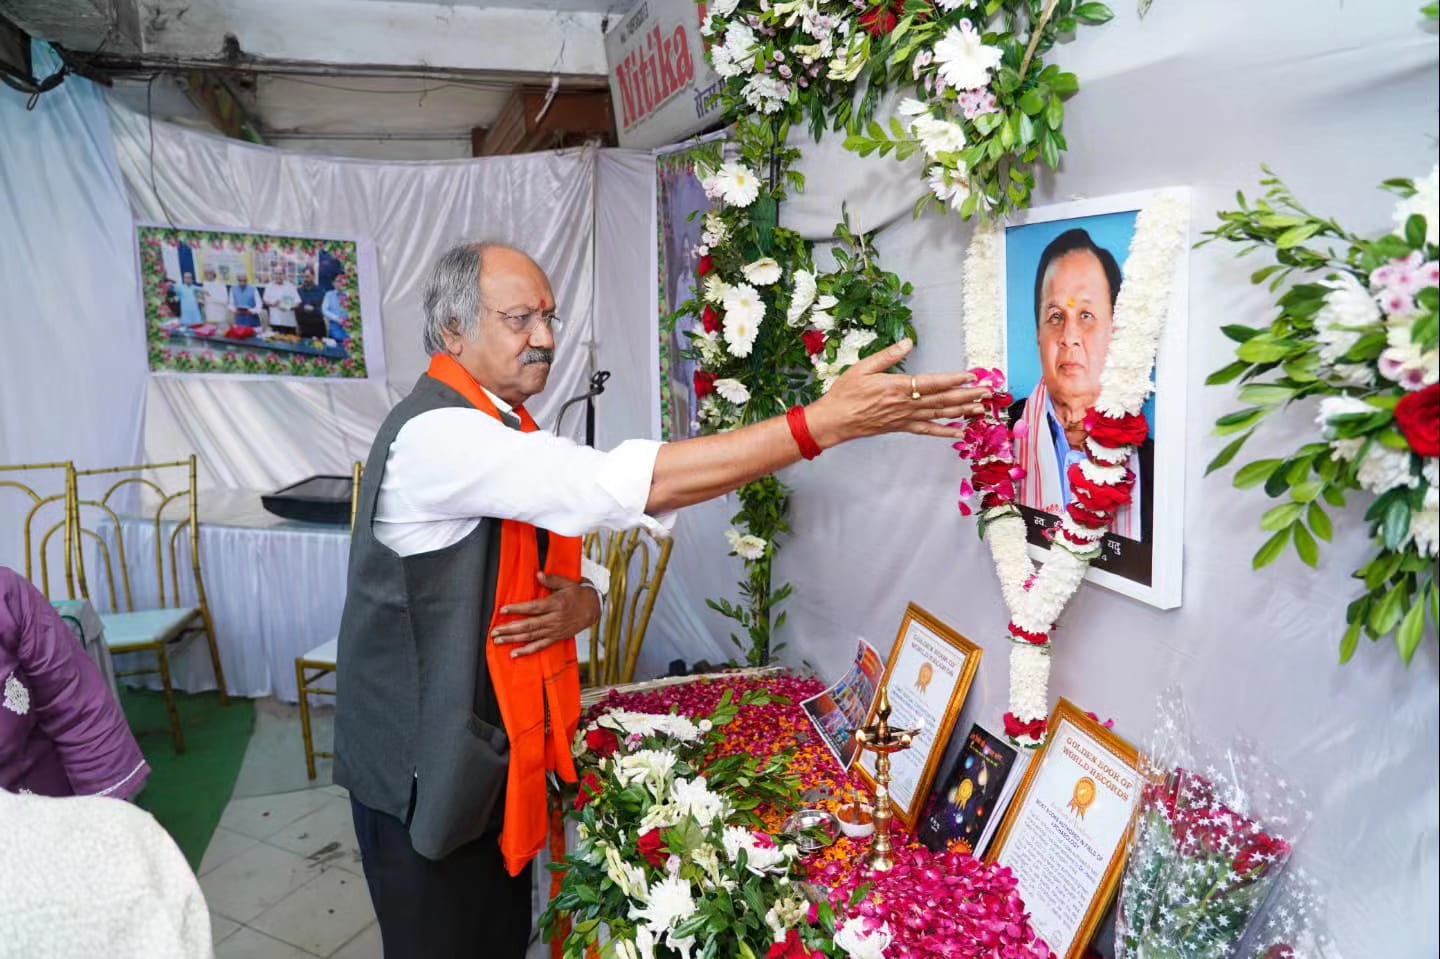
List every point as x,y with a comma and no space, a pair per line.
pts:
526,323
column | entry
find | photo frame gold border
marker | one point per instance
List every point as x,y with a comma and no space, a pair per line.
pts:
958,695
1120,749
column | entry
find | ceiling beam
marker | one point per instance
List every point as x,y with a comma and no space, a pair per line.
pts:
379,36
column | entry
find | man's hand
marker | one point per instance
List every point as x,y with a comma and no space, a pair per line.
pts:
569,609
866,401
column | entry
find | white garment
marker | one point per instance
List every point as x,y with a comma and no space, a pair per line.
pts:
216,302
90,876
448,468
276,293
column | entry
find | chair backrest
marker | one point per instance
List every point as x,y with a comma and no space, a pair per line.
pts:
178,504
42,491
637,562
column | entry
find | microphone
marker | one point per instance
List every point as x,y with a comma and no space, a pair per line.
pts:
597,386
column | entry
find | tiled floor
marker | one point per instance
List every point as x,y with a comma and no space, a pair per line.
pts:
282,878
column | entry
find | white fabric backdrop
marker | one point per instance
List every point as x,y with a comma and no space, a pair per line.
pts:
265,434
1336,98
72,343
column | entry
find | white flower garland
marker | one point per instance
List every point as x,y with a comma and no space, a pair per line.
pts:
1034,598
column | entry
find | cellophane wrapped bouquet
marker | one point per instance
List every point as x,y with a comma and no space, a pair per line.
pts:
1213,836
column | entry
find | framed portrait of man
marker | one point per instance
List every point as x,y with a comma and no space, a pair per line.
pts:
1063,270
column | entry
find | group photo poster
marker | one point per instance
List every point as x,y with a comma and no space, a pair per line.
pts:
841,709
1063,270
236,303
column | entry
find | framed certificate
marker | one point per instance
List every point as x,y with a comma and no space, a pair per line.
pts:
928,677
1068,828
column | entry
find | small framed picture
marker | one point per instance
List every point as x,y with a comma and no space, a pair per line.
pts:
927,677
1067,830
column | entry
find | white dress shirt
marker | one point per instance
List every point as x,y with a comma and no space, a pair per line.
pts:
276,294
449,467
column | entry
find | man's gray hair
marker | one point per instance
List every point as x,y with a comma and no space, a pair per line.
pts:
452,295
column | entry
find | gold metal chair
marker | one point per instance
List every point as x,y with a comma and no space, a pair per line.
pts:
615,641
320,661
153,630
44,505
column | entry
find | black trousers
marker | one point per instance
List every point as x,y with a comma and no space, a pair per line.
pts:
465,906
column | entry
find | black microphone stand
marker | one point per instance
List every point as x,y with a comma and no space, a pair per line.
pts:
597,386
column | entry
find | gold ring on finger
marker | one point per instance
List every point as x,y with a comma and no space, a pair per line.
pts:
914,389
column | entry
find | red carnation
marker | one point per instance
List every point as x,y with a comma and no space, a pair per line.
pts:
652,847
602,742
590,789
704,384
706,267
792,948
814,341
1418,417
710,320
1015,729
1111,431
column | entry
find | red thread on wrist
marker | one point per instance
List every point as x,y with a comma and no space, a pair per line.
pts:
801,431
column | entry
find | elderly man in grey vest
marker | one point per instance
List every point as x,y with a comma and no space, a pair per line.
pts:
449,688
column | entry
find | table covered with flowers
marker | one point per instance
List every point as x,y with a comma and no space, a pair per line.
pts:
681,846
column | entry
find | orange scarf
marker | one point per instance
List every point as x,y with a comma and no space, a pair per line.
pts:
525,686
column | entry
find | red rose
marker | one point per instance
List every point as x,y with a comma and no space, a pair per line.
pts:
1015,729
1098,497
990,474
1418,417
602,742
814,341
652,847
590,789
710,320
704,384
792,948
706,267
1113,432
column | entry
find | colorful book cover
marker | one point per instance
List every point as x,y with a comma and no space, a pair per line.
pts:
971,794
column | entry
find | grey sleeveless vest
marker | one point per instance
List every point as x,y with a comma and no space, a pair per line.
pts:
418,733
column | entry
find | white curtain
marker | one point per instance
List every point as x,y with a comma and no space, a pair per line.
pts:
72,343
265,434
1336,98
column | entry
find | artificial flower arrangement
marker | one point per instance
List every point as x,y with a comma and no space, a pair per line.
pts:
679,853
1361,334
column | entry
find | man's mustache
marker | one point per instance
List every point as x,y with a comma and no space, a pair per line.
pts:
537,354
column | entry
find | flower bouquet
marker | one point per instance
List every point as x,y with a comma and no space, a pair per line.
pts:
1208,849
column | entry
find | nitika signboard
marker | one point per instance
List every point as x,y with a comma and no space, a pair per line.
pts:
661,85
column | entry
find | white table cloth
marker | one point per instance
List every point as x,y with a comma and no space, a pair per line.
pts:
276,589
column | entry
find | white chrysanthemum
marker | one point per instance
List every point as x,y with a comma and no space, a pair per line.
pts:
723,8
762,272
1425,202
822,321
662,815
715,289
911,107
1425,530
733,390
765,93
938,136
850,346
964,57
859,944
759,859
693,796
671,902
1029,681
745,545
1332,407
735,184
802,297
950,186
721,60
1348,311
649,767
740,45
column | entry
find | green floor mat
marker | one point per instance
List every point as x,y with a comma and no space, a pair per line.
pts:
188,793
